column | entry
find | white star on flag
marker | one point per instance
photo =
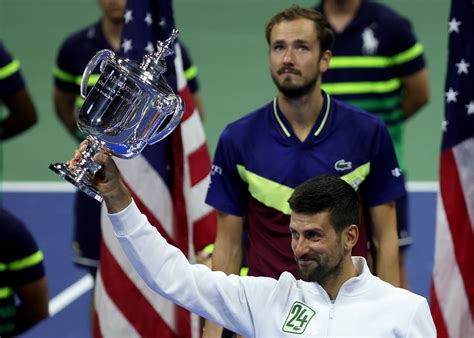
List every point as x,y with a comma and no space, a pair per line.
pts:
451,95
149,47
148,19
454,25
462,67
162,22
444,125
470,108
128,16
127,45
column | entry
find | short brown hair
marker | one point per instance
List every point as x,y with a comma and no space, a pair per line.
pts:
327,193
325,34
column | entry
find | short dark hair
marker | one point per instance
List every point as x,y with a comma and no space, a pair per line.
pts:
325,34
327,193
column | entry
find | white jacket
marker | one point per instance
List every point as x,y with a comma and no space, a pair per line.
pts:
264,307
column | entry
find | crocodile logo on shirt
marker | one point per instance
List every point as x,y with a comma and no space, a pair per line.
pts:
342,165
298,318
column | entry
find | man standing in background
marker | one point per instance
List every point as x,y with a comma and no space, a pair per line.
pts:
378,66
23,283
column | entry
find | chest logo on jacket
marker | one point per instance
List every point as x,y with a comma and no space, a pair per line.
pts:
298,318
370,42
342,165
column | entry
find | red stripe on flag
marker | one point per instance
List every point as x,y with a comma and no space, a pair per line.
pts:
152,219
96,332
183,322
185,94
437,315
199,164
205,230
180,219
458,219
129,300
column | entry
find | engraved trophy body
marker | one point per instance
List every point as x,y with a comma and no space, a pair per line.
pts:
129,107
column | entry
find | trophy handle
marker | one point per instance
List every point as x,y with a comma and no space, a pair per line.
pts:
172,124
98,57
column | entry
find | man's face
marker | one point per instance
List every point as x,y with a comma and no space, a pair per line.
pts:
295,57
113,9
318,249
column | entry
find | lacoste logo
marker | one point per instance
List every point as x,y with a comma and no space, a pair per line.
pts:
370,42
342,165
298,318
396,172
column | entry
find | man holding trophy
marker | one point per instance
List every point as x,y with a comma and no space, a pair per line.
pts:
132,106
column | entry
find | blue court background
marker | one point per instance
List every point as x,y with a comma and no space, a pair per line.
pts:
49,217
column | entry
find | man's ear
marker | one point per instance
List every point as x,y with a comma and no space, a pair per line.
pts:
351,236
325,60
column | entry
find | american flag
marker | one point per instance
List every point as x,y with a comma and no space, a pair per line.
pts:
452,290
168,181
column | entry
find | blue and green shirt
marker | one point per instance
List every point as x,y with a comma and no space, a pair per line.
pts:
21,262
11,80
374,51
259,161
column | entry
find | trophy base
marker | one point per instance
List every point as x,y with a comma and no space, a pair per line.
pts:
62,170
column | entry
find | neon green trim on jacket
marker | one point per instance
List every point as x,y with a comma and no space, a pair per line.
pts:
359,62
9,69
5,292
318,131
190,73
63,76
362,87
276,195
26,262
357,176
409,54
282,126
91,82
271,194
326,114
79,102
376,61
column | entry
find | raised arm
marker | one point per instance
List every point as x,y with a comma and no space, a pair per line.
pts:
165,269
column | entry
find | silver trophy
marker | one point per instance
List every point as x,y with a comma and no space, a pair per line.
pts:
129,107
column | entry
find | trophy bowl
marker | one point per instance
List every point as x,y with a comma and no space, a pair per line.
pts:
129,107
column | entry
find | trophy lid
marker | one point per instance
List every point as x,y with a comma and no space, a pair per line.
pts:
152,66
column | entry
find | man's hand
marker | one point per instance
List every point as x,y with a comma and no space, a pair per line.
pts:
107,180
